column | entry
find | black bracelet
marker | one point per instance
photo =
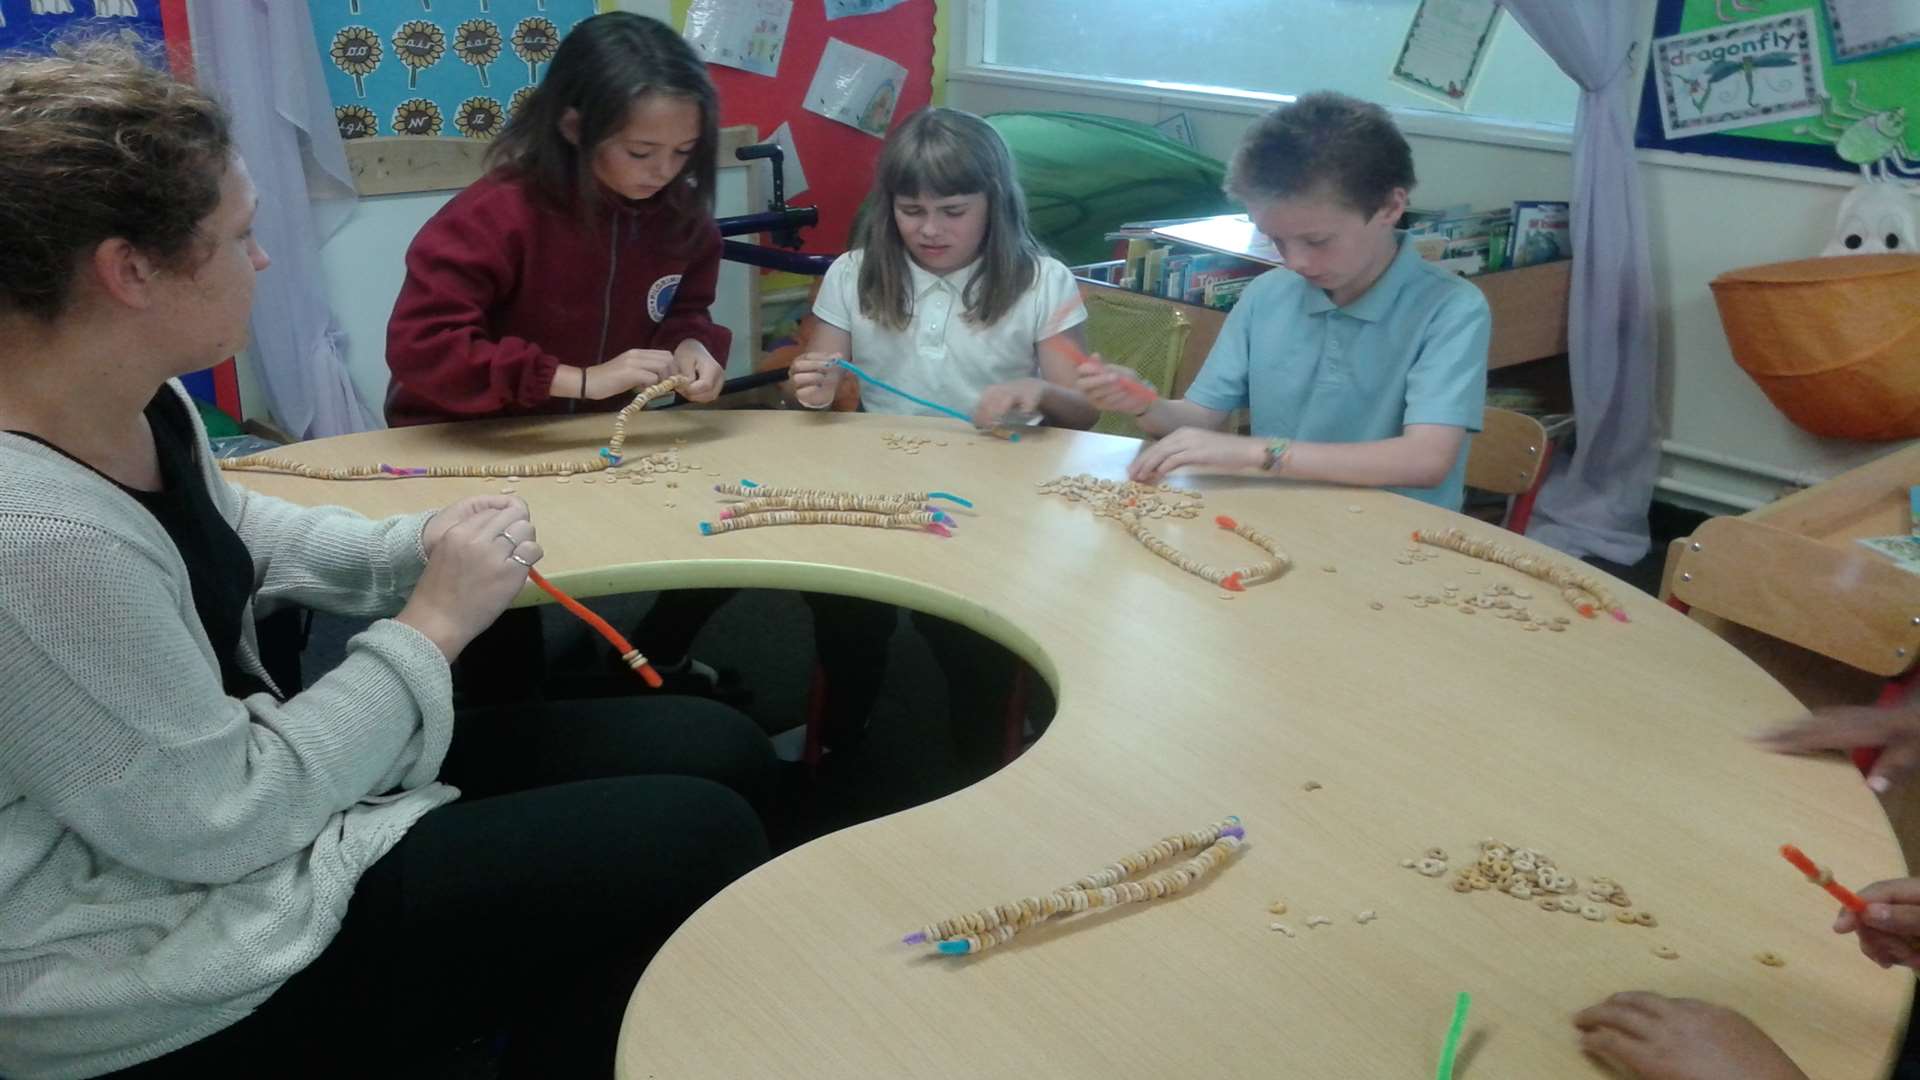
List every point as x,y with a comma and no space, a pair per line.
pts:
583,384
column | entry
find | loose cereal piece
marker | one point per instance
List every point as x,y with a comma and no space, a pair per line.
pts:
1366,917
1646,918
1278,907
1314,922
1311,785
1665,952
1771,959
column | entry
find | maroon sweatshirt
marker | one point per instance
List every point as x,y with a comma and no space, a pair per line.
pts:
500,289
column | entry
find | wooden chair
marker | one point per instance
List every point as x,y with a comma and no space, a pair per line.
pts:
1144,333
1509,457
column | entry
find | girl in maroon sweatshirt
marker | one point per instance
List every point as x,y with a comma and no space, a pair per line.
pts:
576,273
579,270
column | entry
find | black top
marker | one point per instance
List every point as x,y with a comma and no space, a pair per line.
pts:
219,569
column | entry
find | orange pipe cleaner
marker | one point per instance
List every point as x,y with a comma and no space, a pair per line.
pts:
1824,879
627,652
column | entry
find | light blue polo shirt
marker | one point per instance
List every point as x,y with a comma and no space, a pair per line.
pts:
1412,350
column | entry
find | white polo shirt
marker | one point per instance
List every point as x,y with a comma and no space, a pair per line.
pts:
942,355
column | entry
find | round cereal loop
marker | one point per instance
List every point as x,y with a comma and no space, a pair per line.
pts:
1593,912
1771,959
1567,904
1665,952
1461,885
1624,916
1645,918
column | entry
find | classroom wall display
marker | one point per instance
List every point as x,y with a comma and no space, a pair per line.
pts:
34,26
410,67
1735,82
839,155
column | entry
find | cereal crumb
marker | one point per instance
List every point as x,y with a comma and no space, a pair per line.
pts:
1771,959
1278,907
1316,921
1365,917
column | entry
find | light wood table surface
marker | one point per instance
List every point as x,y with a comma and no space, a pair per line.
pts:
1617,749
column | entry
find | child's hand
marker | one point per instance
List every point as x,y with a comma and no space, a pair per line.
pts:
1650,1037
1889,930
996,401
1851,726
690,358
1192,447
1112,388
815,378
630,372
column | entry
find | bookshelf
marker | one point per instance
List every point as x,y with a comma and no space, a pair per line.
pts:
1529,307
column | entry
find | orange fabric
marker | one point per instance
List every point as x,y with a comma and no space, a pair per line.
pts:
1833,342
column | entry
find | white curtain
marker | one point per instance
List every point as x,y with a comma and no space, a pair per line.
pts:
1596,503
259,57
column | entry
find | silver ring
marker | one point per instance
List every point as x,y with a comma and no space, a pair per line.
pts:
520,560
509,538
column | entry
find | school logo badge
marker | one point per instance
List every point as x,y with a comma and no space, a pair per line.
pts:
660,297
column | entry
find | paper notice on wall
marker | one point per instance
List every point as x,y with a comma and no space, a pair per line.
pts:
745,34
856,87
792,177
1860,28
840,9
1445,44
1738,75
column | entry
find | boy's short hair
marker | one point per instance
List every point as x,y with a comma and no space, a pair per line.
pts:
1323,141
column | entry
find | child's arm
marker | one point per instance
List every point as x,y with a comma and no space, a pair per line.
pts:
688,331
438,342
1895,732
1421,456
1053,394
813,379
1649,1037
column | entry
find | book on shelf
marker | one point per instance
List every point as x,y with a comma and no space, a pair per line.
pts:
1542,232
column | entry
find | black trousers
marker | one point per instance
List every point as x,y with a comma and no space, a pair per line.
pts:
585,834
851,640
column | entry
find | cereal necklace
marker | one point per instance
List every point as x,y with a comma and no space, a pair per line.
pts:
1133,505
606,459
1583,591
769,506
1107,887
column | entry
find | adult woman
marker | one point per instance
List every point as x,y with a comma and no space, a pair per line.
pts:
195,870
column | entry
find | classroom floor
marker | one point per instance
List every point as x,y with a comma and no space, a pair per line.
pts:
767,638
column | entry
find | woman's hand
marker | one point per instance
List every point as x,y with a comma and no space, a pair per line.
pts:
815,378
471,575
455,513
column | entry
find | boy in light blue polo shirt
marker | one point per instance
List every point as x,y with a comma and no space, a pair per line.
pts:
1361,362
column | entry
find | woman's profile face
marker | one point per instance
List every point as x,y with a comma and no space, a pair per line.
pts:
215,299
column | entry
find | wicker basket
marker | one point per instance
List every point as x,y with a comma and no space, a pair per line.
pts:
1833,342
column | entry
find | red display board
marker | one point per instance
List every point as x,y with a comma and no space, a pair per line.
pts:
838,159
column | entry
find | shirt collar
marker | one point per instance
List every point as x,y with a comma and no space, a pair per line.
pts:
1373,305
956,281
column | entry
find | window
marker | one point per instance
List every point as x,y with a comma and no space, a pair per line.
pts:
1263,47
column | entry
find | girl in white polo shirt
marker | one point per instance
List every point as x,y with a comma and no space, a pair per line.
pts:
948,296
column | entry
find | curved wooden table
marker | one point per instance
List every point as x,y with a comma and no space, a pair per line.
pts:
1617,749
